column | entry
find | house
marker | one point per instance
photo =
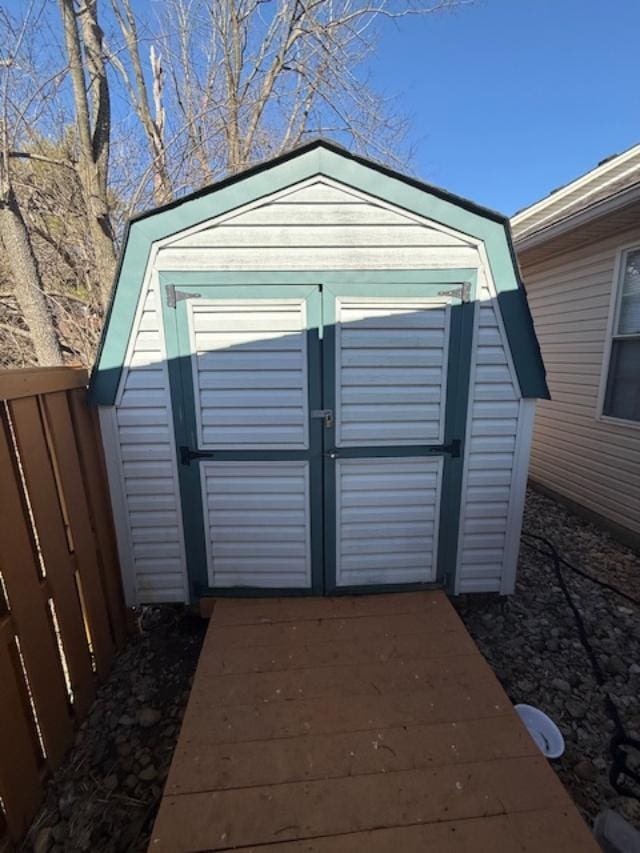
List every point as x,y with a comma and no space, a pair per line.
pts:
579,254
317,376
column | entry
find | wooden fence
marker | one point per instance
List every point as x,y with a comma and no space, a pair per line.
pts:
62,615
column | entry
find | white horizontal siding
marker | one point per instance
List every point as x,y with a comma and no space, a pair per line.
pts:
494,408
387,515
149,497
257,522
250,373
594,462
391,371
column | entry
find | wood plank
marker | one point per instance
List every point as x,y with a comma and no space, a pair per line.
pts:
552,830
27,381
30,611
59,565
475,699
324,630
218,820
20,786
61,427
341,680
87,432
429,642
200,765
243,611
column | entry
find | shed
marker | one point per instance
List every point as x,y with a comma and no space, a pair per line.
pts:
317,376
579,251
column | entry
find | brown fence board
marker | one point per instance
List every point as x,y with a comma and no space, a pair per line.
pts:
95,480
43,493
30,612
28,381
20,786
62,433
58,557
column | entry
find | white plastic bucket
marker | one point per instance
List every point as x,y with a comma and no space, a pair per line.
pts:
542,729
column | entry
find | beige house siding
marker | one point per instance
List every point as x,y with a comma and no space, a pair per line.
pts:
591,461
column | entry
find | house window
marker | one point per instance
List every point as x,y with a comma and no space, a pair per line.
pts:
622,395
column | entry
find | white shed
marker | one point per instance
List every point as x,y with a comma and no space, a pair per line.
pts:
317,376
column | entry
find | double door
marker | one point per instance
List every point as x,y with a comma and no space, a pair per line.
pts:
319,429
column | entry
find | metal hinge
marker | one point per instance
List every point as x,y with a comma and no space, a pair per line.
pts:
453,448
174,296
461,292
187,454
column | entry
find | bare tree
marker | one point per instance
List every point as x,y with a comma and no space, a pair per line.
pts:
152,120
250,79
14,233
87,69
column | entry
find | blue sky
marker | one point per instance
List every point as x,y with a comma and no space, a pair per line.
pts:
509,99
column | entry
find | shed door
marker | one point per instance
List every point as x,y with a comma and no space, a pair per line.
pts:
389,362
315,432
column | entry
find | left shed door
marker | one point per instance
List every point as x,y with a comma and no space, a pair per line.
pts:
245,369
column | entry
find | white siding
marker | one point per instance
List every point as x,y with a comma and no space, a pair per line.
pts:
250,373
594,462
387,514
391,370
318,226
489,462
257,518
147,468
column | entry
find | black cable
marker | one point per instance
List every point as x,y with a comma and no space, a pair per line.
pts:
580,572
620,739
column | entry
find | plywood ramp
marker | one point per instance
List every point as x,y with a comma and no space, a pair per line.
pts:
355,724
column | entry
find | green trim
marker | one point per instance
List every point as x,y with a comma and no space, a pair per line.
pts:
319,159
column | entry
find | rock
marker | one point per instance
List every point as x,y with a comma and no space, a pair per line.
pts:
126,720
615,834
616,666
61,832
561,684
111,782
576,709
586,770
148,773
634,669
43,840
148,717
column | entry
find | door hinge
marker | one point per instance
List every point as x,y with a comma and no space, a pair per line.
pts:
187,454
174,296
461,292
453,448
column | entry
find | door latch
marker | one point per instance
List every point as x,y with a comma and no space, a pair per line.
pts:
325,414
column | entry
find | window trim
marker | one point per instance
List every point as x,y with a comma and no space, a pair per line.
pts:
612,321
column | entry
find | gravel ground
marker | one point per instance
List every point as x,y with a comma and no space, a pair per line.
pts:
533,646
105,795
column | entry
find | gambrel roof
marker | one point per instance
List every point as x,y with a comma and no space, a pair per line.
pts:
323,159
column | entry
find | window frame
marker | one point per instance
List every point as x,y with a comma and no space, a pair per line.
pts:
612,323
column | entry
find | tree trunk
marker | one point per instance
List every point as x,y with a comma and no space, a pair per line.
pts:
93,122
28,286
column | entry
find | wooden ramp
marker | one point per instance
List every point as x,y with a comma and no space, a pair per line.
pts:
355,724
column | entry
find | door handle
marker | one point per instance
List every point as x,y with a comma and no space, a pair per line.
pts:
325,414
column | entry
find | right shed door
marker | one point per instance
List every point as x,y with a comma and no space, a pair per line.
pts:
393,378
